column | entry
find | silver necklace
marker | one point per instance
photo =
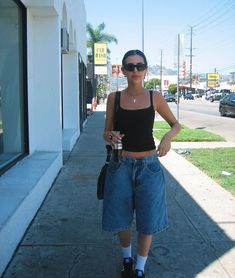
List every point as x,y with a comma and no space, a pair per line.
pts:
133,97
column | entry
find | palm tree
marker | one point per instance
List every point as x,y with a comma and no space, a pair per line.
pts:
97,35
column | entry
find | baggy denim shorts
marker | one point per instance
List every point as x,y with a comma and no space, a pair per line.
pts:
135,186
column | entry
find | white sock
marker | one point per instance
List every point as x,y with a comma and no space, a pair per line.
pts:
126,251
140,262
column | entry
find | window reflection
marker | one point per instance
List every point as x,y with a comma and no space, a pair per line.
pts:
12,135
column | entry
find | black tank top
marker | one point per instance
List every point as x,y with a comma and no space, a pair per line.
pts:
137,126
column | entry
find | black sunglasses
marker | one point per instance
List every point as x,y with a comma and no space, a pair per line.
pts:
131,67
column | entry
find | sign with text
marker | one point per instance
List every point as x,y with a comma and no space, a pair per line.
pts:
212,76
101,70
212,80
212,84
100,53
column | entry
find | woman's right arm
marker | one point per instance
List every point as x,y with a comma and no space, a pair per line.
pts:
109,117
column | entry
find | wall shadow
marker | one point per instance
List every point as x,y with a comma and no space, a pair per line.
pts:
194,243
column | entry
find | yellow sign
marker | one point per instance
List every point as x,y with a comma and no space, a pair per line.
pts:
100,53
212,83
212,76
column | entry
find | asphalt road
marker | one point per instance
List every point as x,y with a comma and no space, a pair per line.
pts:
200,113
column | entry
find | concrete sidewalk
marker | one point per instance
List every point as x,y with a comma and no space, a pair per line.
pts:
65,238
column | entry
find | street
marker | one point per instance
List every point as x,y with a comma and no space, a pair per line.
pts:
200,113
200,106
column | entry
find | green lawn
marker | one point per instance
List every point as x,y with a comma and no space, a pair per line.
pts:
186,134
213,162
210,161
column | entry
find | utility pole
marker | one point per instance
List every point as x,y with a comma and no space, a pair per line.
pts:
117,74
178,77
232,77
93,72
161,73
142,25
143,33
215,71
191,58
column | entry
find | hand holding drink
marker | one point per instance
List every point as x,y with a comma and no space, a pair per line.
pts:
117,147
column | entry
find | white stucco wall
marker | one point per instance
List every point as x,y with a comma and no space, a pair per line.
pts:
70,89
45,19
44,105
32,177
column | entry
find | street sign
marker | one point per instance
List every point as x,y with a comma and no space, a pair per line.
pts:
100,53
213,79
101,70
212,76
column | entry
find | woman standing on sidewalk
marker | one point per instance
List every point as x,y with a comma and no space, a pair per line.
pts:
136,182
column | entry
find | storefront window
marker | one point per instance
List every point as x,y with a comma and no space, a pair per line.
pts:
13,132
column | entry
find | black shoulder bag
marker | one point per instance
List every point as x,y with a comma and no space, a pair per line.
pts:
102,175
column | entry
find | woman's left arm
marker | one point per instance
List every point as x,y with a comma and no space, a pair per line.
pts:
163,109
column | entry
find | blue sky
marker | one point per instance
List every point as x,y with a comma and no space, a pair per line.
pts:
213,27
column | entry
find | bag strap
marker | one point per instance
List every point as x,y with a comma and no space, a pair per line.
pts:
116,106
151,97
108,155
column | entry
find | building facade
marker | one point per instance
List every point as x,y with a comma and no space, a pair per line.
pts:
42,104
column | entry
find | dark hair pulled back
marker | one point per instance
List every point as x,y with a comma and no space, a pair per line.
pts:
134,52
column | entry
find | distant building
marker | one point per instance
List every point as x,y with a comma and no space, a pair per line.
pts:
42,104
166,80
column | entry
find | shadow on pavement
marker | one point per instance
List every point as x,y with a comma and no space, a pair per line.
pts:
65,238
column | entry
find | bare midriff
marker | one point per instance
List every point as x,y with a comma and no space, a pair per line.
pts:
138,154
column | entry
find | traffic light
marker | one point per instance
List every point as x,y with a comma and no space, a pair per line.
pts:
114,72
184,70
117,71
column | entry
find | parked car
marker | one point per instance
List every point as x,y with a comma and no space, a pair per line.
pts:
225,91
209,93
200,93
227,105
219,94
170,98
216,95
188,96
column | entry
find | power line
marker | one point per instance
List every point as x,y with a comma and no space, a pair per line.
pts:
161,72
226,68
209,15
215,21
217,16
218,44
221,12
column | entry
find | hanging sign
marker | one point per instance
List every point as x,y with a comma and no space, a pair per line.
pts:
100,53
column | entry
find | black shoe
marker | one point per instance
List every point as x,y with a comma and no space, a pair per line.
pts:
139,274
127,271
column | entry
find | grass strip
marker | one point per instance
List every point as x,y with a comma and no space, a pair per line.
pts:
186,134
213,162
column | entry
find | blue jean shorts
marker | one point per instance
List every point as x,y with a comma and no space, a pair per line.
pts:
135,186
